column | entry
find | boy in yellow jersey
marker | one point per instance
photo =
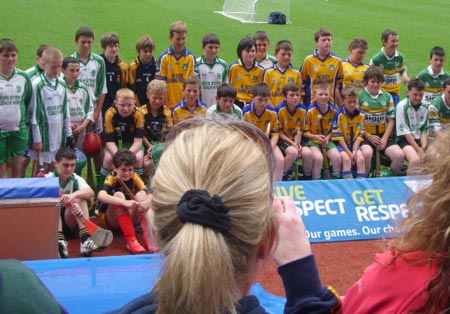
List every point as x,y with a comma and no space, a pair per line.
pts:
245,73
124,128
282,72
322,65
392,63
379,122
354,66
292,118
157,123
320,139
348,130
190,106
263,116
176,63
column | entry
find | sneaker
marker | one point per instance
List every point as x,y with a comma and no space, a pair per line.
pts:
87,247
135,247
62,248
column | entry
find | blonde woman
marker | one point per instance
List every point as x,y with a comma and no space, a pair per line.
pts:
218,221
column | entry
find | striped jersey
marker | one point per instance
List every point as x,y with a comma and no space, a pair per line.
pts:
433,84
34,71
15,95
276,79
354,73
50,117
411,119
315,69
244,79
267,62
262,121
93,75
393,68
139,75
291,121
79,103
313,123
174,70
181,111
443,110
212,76
377,110
214,111
116,78
348,127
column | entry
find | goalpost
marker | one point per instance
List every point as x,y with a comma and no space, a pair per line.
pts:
255,11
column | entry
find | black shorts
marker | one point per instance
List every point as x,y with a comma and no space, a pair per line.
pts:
403,142
69,233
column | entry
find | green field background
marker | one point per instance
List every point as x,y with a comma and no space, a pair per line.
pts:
421,25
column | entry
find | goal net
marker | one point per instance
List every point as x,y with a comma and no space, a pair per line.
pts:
255,11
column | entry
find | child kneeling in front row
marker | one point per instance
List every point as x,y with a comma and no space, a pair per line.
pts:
126,202
348,127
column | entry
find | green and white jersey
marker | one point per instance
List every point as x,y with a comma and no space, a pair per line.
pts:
73,184
34,72
411,119
93,75
211,76
50,119
433,118
79,103
443,110
377,110
214,112
267,62
433,84
15,94
393,67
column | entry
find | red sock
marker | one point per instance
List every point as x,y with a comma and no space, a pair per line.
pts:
126,223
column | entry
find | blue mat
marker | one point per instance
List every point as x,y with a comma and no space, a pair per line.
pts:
100,284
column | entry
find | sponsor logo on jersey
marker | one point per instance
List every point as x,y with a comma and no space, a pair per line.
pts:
185,66
18,88
332,68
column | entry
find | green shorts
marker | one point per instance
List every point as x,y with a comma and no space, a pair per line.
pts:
12,144
331,145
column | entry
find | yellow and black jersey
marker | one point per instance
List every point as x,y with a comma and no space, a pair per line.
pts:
291,122
139,75
113,185
130,127
348,127
261,122
156,126
313,123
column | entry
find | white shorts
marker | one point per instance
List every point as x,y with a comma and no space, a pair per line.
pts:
47,157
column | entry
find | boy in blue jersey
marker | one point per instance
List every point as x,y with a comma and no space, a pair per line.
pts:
190,106
15,95
354,66
322,65
176,64
348,130
263,116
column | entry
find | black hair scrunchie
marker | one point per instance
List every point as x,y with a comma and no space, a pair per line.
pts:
197,206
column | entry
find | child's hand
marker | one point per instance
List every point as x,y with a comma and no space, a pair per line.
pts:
76,210
130,204
37,146
67,199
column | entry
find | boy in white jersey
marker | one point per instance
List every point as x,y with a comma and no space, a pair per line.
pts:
15,94
263,58
50,118
78,100
413,124
212,70
74,195
38,68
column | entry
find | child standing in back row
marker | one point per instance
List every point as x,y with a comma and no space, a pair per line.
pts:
142,70
212,70
176,63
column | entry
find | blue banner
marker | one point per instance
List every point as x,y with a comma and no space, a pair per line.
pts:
348,210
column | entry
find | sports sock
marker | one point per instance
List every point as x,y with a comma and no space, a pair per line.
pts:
60,236
347,174
307,176
84,234
125,223
360,175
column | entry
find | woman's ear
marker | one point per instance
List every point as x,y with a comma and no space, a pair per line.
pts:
268,243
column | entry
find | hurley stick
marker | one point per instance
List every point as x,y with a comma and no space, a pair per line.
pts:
326,163
377,157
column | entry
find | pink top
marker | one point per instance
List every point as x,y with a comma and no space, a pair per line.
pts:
395,288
